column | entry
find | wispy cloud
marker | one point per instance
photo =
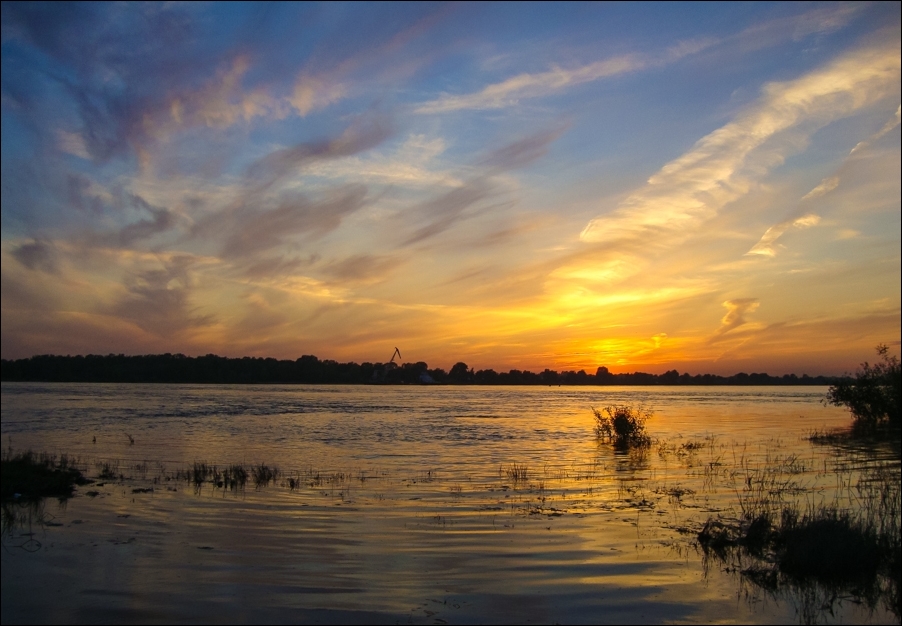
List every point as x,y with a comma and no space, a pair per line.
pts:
412,164
442,212
247,230
38,255
737,309
526,85
825,186
157,300
891,124
361,268
511,91
766,245
161,220
225,99
724,165
364,133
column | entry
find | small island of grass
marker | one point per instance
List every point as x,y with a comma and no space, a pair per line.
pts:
27,476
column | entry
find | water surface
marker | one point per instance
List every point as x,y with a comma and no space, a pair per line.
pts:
421,504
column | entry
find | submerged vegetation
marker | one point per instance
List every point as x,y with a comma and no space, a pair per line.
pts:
622,425
233,477
874,397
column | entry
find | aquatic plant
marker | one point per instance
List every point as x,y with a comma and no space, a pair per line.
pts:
874,398
622,425
199,472
109,470
517,472
234,477
263,474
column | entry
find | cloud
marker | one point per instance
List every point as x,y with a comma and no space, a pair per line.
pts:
124,79
248,229
72,143
114,69
38,255
765,246
451,207
659,339
157,300
891,124
361,268
735,316
365,133
162,220
276,266
222,101
522,152
825,186
818,21
511,91
725,165
225,100
312,93
444,211
77,188
268,212
409,165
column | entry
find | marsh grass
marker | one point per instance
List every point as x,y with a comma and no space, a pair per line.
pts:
33,476
29,478
263,474
108,470
622,425
517,472
825,551
234,477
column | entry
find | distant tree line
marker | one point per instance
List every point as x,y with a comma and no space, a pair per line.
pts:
178,368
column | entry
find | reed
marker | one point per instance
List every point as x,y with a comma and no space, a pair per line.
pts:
263,474
517,472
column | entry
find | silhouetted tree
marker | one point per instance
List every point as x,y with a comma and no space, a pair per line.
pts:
875,396
460,373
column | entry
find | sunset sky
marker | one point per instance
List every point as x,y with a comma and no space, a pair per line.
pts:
706,187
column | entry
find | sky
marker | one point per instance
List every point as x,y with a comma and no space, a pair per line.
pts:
707,187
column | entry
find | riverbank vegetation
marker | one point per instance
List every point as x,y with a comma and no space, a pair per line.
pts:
874,396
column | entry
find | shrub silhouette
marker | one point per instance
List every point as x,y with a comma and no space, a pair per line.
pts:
875,396
622,425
